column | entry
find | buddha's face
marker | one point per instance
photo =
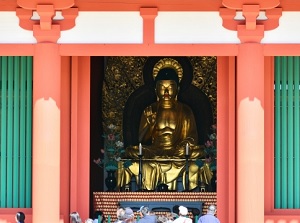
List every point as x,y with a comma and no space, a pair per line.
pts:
166,89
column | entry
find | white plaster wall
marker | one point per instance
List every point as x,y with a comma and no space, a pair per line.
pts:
170,27
288,30
192,27
105,27
11,32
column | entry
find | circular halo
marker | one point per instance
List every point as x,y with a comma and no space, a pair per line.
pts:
168,63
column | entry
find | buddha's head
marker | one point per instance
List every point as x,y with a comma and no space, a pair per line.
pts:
167,84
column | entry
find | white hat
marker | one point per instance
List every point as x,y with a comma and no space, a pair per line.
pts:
183,210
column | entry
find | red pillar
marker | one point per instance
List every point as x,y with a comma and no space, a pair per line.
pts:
250,134
250,120
46,128
80,136
250,110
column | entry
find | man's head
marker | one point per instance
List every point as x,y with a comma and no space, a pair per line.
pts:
20,216
211,209
195,212
176,209
120,213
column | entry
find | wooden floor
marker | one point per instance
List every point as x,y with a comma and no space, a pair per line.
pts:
108,201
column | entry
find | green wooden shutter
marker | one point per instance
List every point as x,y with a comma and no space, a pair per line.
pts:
15,132
287,125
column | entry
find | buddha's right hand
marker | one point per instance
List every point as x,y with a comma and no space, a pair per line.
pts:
149,115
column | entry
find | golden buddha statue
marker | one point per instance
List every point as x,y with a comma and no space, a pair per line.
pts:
167,132
167,126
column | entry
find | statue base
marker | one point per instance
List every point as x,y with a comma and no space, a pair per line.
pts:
177,174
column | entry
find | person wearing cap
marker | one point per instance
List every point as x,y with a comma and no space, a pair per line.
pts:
128,216
183,216
210,216
146,217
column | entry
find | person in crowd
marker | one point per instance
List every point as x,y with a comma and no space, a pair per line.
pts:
98,215
120,215
175,212
210,216
139,213
171,217
75,217
196,214
162,219
128,216
89,220
20,217
183,216
146,216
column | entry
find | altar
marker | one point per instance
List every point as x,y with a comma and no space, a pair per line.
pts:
108,202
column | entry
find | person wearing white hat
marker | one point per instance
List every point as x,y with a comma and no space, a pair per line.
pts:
210,216
183,216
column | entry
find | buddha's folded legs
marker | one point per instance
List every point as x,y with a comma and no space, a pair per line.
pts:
150,173
156,172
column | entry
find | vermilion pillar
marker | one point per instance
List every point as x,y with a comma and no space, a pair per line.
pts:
250,134
250,122
46,135
46,128
250,111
